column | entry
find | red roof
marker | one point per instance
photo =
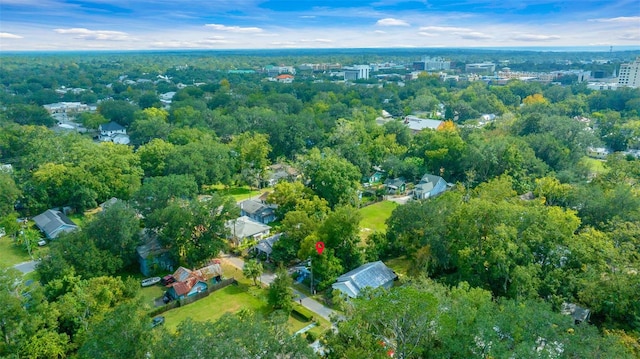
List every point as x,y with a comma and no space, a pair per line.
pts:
284,76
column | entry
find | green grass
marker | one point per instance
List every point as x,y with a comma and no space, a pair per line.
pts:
149,294
399,265
238,193
374,217
11,254
594,165
227,300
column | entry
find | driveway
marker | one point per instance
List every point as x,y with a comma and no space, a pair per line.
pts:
399,200
26,267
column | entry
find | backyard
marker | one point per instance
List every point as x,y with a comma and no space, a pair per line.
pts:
374,217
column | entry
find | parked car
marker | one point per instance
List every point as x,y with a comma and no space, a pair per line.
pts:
168,279
157,321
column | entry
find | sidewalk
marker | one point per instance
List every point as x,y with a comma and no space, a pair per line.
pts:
267,278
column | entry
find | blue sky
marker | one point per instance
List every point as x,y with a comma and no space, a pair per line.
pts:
273,24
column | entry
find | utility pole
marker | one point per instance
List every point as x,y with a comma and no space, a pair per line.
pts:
311,282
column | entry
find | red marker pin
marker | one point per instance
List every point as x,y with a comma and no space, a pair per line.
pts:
320,247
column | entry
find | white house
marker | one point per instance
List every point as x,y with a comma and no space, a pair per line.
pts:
113,132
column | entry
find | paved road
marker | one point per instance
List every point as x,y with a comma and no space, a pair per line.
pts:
266,279
26,267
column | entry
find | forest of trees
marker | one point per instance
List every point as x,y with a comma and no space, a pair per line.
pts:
530,223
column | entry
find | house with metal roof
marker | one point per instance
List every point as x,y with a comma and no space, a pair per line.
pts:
53,222
372,275
244,228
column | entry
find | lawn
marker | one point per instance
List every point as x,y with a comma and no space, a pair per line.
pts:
594,165
238,193
374,217
399,265
227,300
11,255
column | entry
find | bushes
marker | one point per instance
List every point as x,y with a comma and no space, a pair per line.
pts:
302,313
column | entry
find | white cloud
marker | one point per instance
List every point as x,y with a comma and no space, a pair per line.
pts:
635,19
444,29
630,36
307,17
473,35
237,29
391,22
535,37
380,32
427,34
6,35
86,34
317,40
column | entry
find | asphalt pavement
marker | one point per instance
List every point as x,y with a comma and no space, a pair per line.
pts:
26,267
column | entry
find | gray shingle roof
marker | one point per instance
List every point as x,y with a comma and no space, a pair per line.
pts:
52,222
266,245
111,126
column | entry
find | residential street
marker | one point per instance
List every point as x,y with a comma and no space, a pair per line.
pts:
266,279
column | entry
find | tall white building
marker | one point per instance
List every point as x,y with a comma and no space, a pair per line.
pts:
629,75
356,72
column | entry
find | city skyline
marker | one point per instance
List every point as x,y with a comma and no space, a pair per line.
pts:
57,25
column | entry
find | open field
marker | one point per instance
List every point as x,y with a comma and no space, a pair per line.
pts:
374,217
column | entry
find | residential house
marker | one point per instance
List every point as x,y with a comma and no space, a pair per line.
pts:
395,185
372,275
374,177
284,78
265,246
244,229
53,222
416,124
153,256
113,132
258,211
429,186
598,152
190,282
578,313
280,172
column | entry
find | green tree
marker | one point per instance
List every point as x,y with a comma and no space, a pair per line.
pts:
116,229
280,294
9,195
252,269
253,151
242,335
153,156
194,231
119,111
332,177
156,192
133,339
